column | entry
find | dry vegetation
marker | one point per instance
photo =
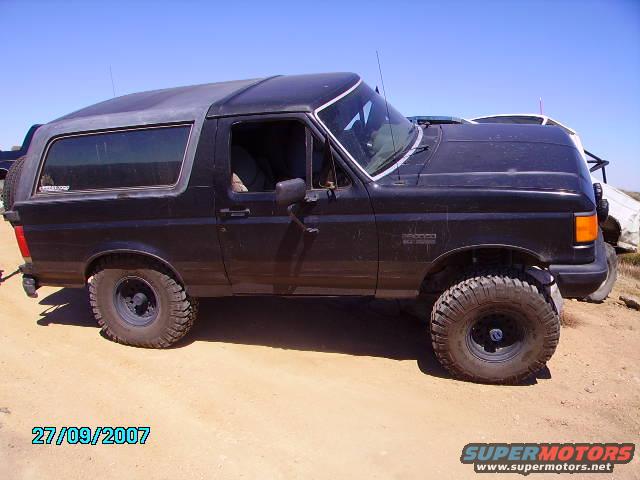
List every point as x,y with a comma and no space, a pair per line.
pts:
629,265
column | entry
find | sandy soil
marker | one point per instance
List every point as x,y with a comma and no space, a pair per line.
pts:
278,388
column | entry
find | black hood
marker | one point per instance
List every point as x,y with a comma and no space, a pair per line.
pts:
497,156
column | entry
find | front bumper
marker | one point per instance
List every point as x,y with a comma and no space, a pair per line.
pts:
579,281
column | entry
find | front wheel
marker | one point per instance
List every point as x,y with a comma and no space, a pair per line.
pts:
140,303
494,327
612,275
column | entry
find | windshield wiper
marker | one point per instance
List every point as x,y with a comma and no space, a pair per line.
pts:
424,148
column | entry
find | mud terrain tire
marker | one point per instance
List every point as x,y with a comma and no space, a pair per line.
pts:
11,182
495,326
140,303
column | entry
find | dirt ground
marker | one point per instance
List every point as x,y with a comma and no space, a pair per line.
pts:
280,388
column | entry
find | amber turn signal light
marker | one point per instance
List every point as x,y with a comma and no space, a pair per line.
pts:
586,228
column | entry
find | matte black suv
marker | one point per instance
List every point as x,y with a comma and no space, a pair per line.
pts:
310,185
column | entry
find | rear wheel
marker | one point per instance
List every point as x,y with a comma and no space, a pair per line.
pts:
494,327
612,275
140,303
11,182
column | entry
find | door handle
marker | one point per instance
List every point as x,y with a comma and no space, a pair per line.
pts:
234,213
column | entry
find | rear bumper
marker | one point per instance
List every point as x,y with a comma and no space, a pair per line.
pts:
579,281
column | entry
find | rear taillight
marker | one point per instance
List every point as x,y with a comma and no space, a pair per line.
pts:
22,242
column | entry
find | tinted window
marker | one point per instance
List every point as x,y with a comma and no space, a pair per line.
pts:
511,119
131,158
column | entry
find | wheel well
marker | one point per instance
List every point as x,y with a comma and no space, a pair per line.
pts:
133,258
611,231
447,269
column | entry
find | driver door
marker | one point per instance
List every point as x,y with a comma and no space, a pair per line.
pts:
264,251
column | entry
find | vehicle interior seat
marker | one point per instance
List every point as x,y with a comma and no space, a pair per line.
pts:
246,167
296,151
263,154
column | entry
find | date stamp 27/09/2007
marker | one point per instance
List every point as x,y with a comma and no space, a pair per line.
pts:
47,435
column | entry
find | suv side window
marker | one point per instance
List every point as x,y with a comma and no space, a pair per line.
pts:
265,153
145,157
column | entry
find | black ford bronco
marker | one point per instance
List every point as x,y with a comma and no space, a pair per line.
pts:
310,185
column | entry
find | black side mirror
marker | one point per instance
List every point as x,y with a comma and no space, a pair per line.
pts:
289,192
293,193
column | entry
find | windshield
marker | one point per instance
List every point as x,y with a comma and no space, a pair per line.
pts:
359,121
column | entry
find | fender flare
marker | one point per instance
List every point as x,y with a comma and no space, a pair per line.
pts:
91,261
444,257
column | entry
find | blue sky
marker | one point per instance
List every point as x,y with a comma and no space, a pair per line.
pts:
439,58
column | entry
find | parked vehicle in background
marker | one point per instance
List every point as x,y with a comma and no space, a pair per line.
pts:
437,120
622,229
310,185
8,157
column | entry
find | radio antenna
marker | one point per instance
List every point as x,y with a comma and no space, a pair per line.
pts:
113,86
384,91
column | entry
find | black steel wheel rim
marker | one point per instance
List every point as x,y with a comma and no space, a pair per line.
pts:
496,337
136,301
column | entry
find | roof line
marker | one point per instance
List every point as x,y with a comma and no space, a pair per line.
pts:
217,105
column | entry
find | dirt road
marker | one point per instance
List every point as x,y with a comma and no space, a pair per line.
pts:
276,388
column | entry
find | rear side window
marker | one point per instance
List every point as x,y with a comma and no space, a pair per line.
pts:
120,159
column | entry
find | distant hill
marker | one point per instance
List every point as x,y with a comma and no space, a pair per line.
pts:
635,195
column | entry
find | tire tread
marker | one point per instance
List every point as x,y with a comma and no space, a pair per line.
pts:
11,182
183,309
473,289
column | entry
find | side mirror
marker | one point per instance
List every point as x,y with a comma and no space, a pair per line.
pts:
292,193
289,192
